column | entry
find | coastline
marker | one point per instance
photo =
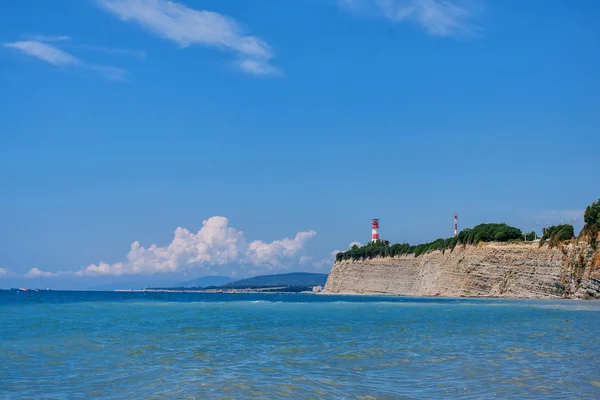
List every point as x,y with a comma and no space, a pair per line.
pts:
488,270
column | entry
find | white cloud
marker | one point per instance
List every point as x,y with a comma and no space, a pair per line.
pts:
110,73
4,272
48,38
304,260
272,254
186,26
111,50
45,52
102,49
333,253
328,261
60,58
36,273
215,244
258,67
437,17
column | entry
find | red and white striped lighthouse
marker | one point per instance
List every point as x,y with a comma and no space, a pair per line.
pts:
455,224
375,230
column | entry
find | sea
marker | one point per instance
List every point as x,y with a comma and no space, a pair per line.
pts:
116,345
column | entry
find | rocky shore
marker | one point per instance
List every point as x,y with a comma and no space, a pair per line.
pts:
508,270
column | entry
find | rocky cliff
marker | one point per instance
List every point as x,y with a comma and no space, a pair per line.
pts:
519,270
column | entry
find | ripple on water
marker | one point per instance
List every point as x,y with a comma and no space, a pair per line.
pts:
304,348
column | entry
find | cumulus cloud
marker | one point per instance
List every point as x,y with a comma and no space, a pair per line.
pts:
187,26
60,58
37,273
271,254
215,244
4,272
304,260
437,17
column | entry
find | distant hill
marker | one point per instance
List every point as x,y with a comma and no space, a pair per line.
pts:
291,279
206,281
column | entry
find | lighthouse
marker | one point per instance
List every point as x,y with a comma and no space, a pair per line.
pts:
375,230
455,224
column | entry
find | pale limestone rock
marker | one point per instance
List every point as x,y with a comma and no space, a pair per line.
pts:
515,270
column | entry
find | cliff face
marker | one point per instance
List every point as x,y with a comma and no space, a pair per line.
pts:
520,270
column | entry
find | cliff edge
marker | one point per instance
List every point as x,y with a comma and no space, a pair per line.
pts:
510,270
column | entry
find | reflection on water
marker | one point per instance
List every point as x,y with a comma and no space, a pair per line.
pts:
136,345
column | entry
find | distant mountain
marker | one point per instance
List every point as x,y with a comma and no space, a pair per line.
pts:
291,279
206,281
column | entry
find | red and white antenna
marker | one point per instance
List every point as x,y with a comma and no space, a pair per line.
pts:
455,224
375,230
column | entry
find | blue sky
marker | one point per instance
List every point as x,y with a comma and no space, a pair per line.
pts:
272,131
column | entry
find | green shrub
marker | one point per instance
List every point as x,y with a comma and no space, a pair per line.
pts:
591,219
556,234
481,233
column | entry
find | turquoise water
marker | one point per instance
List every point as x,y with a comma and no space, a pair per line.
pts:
69,345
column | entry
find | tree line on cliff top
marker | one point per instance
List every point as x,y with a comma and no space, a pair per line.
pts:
501,232
470,236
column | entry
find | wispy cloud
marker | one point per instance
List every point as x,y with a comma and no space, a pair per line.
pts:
48,38
67,42
45,52
60,58
186,26
110,73
216,244
111,50
5,272
438,17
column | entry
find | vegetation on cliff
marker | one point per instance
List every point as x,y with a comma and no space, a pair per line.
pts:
556,234
552,235
591,218
481,233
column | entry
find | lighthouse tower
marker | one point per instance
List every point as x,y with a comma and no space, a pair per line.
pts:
375,230
455,224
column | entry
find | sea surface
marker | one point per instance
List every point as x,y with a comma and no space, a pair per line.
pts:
79,345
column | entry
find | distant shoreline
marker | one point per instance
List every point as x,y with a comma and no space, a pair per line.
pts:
216,291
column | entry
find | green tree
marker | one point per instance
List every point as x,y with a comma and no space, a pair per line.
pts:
591,219
556,234
501,237
481,233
